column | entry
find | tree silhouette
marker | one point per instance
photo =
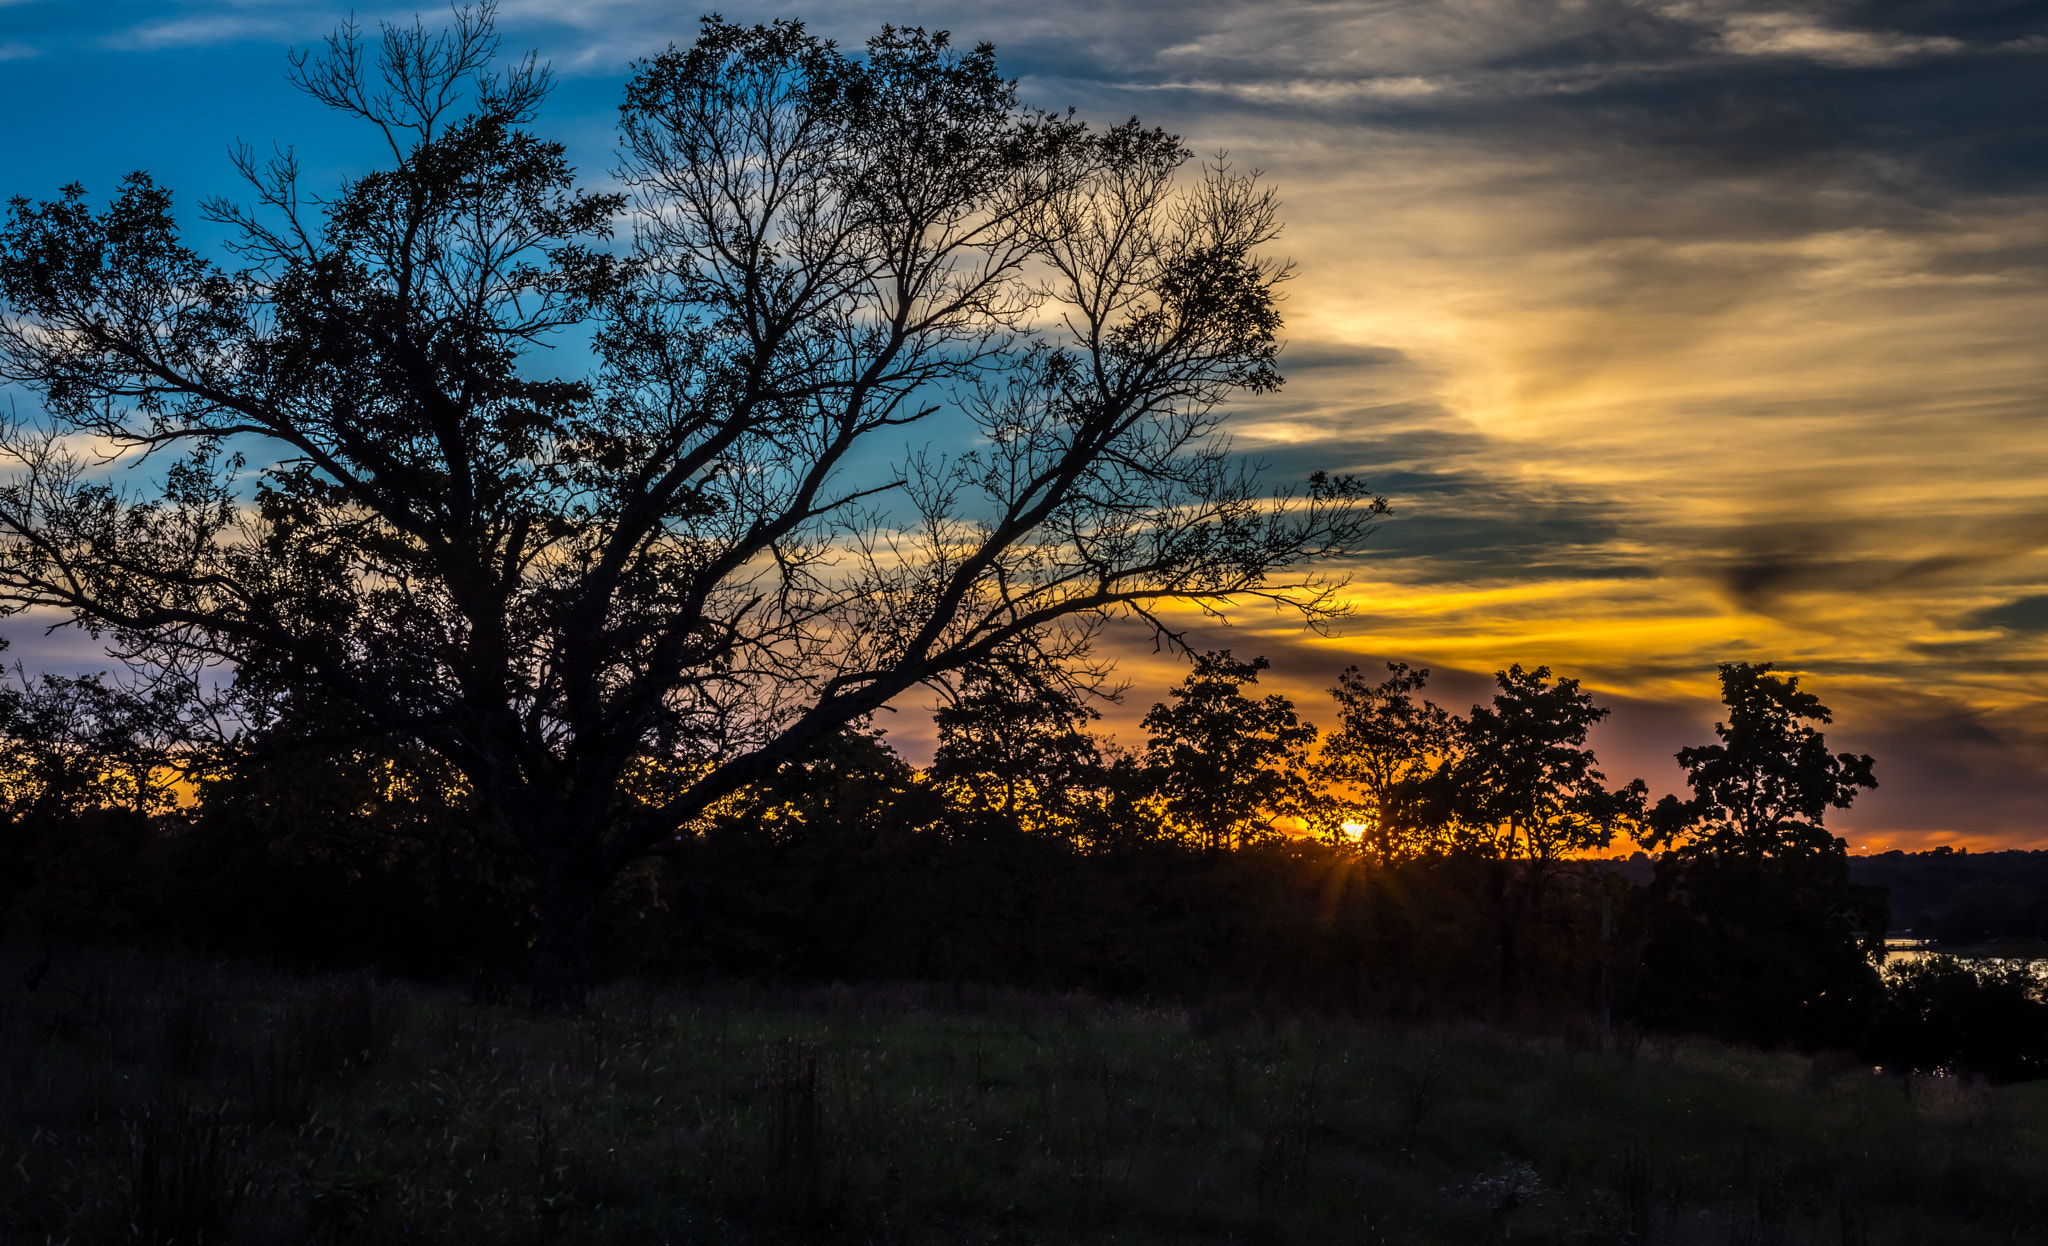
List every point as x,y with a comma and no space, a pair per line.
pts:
1529,793
704,552
1528,782
1378,764
73,743
848,785
1760,933
1766,788
1226,766
1014,751
87,777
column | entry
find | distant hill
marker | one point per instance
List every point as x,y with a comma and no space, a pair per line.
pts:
1947,895
1961,896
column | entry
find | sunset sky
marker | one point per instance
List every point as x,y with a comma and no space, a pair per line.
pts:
1676,332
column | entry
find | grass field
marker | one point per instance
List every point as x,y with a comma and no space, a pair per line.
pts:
165,1101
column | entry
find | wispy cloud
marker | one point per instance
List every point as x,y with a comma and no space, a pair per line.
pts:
212,29
1811,32
1794,34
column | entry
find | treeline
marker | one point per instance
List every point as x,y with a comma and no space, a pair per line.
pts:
1408,862
1957,896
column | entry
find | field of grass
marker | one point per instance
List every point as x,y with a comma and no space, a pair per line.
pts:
167,1101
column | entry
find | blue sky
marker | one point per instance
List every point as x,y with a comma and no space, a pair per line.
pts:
1676,330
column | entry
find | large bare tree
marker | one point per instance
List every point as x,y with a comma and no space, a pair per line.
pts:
612,598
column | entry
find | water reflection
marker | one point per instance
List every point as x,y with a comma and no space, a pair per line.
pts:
1905,949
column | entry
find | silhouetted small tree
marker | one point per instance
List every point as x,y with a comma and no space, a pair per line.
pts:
1764,790
848,786
1224,766
1014,753
1529,793
69,743
1529,787
1760,933
1376,767
88,774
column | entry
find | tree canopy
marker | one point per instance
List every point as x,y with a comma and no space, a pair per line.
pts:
1382,760
1765,790
1016,751
379,514
1760,930
1526,777
1226,765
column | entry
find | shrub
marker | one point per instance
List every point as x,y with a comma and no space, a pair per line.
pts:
1941,1014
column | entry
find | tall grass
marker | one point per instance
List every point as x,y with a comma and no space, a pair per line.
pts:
183,1176
164,1102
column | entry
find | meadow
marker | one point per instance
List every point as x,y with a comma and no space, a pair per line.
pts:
177,1101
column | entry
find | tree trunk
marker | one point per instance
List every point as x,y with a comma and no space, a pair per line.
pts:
565,944
1508,902
563,849
571,882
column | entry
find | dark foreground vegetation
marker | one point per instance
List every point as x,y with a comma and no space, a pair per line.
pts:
1434,882
173,1101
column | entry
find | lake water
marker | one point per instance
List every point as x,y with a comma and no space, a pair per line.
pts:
2032,954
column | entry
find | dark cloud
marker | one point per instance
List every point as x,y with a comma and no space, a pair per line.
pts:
1921,133
1323,357
1764,565
1629,40
1926,102
1945,765
1452,510
1982,22
2004,259
2028,614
